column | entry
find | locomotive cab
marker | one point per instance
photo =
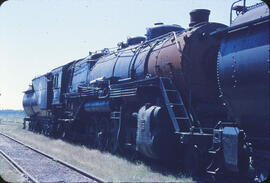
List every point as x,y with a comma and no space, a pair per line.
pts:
56,85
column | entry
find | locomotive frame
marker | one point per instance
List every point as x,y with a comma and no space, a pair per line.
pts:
157,97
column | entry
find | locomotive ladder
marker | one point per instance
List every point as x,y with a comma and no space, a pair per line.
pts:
215,154
115,129
175,106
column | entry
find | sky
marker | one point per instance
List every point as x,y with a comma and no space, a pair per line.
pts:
37,36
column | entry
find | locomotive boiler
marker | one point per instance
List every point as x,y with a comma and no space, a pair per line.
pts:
197,95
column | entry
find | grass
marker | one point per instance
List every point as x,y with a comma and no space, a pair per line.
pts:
105,165
12,116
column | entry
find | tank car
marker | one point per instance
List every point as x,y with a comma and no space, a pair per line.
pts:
187,95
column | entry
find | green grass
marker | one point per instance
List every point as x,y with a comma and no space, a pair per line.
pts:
110,167
104,165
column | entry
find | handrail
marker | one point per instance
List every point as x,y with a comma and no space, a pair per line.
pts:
232,8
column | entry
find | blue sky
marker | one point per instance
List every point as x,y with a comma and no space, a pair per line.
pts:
39,35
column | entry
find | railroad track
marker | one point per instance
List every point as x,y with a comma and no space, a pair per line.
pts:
38,166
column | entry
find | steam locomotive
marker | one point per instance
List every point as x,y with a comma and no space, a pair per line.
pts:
198,95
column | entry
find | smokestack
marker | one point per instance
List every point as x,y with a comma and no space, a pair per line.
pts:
198,16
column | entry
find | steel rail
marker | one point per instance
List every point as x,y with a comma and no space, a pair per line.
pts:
17,167
82,172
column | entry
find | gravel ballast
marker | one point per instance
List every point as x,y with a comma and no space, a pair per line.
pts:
38,166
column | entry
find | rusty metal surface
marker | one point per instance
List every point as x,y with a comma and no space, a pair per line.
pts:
194,65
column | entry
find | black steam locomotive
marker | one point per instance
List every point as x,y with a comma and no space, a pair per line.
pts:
198,95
